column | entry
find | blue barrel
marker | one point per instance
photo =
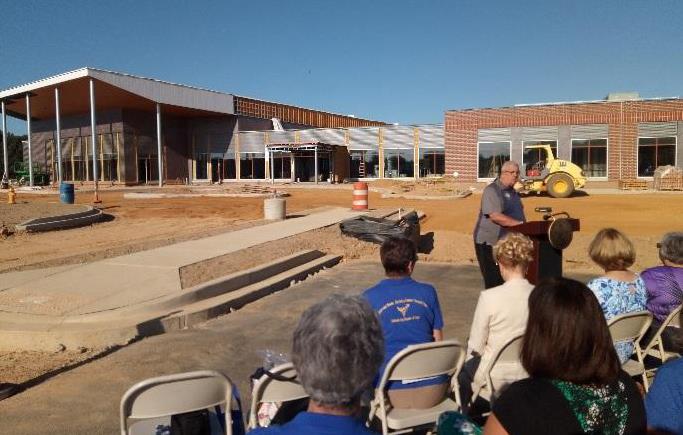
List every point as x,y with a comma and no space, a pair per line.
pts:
66,193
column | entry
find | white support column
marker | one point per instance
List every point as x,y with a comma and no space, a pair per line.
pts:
93,138
315,163
28,130
160,156
272,166
58,137
5,157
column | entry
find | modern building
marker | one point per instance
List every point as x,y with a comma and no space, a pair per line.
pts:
620,138
206,136
122,123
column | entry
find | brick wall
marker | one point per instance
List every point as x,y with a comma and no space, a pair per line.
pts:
622,117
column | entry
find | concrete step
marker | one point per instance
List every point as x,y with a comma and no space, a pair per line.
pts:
204,310
177,311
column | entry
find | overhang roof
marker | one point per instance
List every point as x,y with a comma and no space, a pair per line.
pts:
301,146
112,90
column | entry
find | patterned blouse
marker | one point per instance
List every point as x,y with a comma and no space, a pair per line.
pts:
599,409
619,297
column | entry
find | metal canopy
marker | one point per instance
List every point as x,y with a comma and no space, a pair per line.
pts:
306,146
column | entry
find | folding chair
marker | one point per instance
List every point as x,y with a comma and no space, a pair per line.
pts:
632,327
165,396
412,363
507,353
655,347
278,385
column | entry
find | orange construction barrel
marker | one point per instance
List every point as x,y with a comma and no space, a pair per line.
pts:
360,196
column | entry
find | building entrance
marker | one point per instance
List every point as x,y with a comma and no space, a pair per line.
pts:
304,166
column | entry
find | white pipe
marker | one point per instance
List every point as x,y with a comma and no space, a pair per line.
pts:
28,129
159,155
5,159
58,139
93,135
315,163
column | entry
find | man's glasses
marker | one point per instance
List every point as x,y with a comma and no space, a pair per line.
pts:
512,172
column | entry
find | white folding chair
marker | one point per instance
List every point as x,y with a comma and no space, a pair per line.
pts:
632,327
412,363
506,354
279,385
165,396
655,347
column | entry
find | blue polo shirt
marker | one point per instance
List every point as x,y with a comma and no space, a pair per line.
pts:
314,423
409,312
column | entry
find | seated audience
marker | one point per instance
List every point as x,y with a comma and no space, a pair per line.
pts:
664,287
576,384
410,314
664,401
500,315
619,291
337,350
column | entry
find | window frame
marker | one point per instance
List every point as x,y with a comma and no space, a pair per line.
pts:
488,179
571,151
651,177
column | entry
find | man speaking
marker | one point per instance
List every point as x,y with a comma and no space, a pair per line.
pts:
501,207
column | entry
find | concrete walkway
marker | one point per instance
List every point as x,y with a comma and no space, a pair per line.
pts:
50,296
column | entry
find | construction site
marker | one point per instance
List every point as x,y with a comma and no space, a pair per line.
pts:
157,228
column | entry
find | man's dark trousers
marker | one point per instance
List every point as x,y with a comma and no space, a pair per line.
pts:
487,265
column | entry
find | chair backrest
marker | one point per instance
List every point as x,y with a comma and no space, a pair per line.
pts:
671,320
507,353
176,394
629,326
281,385
424,360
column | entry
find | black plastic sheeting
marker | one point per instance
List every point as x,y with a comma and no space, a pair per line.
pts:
377,230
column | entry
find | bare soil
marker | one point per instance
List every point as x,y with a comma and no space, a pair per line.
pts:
136,224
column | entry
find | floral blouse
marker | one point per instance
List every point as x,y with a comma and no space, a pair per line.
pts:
619,297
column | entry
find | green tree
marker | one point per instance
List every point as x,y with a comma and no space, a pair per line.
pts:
15,150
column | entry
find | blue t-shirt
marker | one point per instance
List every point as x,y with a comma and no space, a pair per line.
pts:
313,423
664,401
409,312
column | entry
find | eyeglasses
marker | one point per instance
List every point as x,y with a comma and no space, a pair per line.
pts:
512,172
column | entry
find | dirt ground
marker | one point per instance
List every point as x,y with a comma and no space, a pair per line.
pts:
138,224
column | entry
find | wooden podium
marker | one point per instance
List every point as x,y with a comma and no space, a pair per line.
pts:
547,260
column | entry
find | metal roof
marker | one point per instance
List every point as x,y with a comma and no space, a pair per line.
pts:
151,89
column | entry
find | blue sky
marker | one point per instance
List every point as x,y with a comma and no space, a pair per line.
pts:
395,61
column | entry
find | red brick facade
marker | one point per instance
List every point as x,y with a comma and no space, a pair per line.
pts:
461,129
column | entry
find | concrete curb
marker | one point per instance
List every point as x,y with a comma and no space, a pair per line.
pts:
80,219
178,311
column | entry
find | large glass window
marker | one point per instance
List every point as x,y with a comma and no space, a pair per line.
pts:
364,164
654,152
492,155
398,163
432,162
228,169
282,165
535,158
591,156
201,166
252,166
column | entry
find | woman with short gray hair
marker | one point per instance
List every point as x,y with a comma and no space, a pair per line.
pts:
664,285
337,350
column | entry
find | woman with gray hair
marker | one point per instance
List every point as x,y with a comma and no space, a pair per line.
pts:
664,284
337,350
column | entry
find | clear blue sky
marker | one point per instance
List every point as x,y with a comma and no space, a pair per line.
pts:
396,61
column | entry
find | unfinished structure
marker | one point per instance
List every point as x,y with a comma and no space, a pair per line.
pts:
113,127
